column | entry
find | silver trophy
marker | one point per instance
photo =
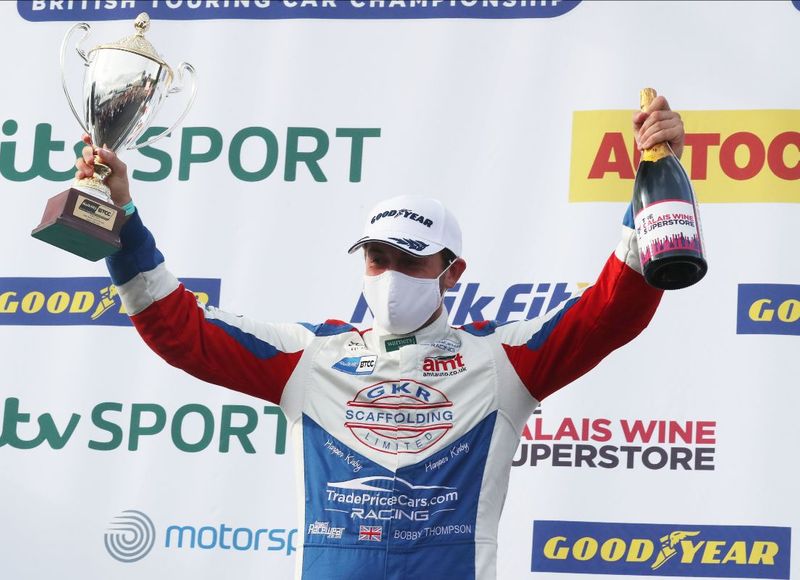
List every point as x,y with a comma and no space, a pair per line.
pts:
124,85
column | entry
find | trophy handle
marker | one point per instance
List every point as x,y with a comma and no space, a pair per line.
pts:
85,28
183,67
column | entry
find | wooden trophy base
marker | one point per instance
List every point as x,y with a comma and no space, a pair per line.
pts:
81,224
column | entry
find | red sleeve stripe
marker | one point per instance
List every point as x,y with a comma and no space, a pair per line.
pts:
177,330
606,316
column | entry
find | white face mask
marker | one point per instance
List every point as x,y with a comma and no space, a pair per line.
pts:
402,303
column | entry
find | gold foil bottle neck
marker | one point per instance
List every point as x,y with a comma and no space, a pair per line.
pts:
647,96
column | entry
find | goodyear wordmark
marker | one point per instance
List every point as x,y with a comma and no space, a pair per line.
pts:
77,301
661,549
768,309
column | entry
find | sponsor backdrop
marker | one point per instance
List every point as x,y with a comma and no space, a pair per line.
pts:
676,456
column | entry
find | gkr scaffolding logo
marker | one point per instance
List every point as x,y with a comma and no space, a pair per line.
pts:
130,537
402,416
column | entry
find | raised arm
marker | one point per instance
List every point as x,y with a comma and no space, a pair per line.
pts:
217,347
550,352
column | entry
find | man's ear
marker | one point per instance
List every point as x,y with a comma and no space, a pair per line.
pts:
454,273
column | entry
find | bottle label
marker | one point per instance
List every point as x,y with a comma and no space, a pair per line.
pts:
666,226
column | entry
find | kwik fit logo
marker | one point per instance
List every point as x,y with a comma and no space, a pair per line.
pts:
661,549
77,301
471,302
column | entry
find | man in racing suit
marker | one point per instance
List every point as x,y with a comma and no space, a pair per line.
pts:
406,431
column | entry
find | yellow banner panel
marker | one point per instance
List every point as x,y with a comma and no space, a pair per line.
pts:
730,156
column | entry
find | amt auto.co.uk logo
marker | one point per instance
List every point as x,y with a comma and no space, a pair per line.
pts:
661,549
768,309
77,301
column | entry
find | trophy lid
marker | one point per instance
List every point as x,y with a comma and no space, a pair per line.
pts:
137,43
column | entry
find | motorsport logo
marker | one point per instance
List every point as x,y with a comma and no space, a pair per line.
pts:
301,151
588,442
45,10
470,303
132,535
356,365
386,498
768,309
730,156
443,366
114,427
77,301
402,416
661,549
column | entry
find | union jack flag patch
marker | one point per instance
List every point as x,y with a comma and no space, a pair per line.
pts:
370,533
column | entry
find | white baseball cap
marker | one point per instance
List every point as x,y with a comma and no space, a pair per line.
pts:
420,226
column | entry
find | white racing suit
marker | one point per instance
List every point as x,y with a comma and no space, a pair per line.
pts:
406,442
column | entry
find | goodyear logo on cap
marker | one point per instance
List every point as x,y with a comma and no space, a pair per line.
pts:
77,301
768,309
661,549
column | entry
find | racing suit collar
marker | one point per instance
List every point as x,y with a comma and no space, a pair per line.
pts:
436,330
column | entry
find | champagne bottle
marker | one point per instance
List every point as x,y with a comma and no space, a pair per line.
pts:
671,249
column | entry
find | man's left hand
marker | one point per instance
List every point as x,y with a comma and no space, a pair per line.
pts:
659,124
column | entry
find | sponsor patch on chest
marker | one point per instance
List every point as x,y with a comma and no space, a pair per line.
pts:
403,416
443,366
356,365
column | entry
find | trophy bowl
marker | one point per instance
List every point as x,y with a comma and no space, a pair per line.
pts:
124,85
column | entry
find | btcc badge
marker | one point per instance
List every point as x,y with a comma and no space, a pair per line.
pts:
356,365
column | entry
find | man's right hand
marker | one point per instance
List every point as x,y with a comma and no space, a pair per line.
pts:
117,182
